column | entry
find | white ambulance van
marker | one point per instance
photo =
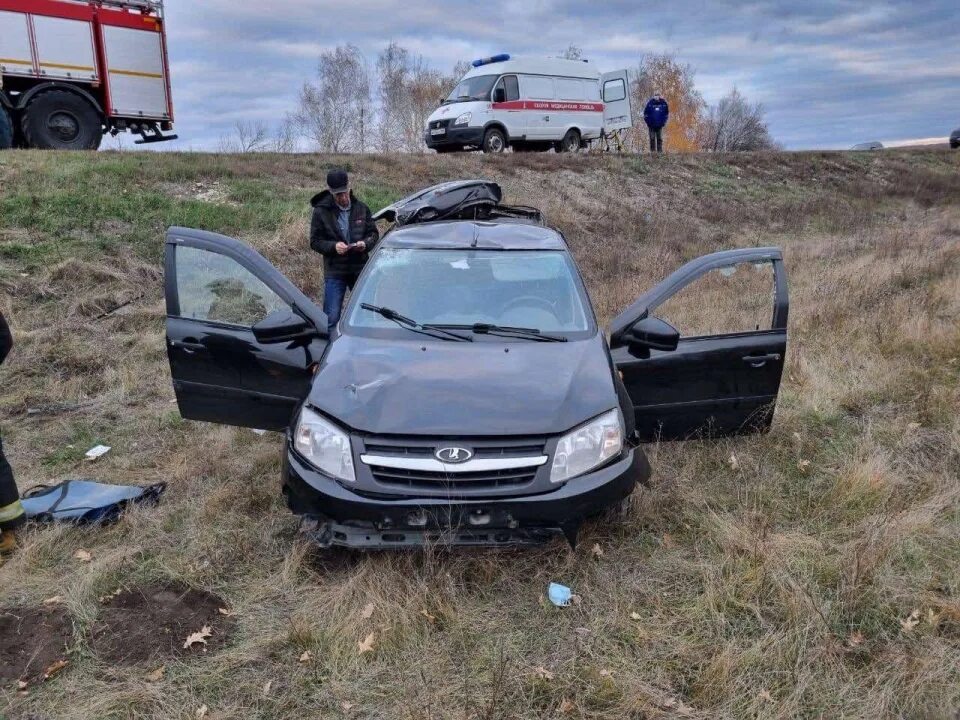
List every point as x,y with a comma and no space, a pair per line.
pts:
529,104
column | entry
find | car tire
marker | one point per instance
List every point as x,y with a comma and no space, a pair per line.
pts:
494,141
570,142
6,129
61,120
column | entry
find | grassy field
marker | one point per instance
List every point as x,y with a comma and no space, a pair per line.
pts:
810,572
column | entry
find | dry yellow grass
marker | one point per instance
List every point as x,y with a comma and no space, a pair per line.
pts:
776,586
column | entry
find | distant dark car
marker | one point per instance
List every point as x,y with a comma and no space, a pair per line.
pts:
955,139
875,145
467,395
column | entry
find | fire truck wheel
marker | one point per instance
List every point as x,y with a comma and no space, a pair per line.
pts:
61,120
570,142
494,141
6,129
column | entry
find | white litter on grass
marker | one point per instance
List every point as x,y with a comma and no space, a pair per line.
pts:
560,595
258,431
97,451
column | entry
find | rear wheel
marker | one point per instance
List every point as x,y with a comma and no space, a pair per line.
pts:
61,120
6,129
570,142
494,141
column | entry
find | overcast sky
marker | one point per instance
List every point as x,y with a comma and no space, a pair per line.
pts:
830,74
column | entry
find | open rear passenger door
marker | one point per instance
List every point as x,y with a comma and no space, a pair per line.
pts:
719,373
242,339
615,93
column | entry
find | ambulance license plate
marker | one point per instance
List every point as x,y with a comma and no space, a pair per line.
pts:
438,131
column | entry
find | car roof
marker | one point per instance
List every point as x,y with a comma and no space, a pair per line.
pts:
500,234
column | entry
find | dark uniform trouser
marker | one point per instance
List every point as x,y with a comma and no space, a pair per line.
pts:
11,511
656,139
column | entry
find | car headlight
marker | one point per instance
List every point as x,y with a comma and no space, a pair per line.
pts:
463,119
324,445
588,446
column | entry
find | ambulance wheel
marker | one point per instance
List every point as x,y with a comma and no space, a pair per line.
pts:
494,141
6,129
570,142
61,120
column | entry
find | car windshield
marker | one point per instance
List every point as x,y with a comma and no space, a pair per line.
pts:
474,88
514,288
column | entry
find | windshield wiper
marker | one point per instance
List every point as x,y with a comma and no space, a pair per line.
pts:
505,331
413,325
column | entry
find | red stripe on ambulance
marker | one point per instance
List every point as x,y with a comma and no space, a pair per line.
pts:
548,105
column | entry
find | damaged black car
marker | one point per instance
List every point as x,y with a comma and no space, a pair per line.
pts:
467,396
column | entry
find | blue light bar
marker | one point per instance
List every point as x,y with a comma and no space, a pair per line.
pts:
502,57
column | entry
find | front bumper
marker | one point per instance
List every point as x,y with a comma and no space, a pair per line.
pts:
455,137
335,515
955,142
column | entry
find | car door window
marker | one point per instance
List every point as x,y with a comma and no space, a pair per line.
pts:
614,90
216,288
539,88
737,298
512,87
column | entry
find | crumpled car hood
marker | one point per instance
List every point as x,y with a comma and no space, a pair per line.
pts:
459,389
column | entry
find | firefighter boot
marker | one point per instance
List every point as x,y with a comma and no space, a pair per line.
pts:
8,541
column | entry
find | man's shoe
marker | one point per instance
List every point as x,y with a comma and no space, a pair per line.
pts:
8,542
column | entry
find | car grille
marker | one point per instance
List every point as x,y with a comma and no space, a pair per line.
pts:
504,475
429,480
440,124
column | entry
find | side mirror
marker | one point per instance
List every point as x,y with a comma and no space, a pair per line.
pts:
499,95
652,333
283,326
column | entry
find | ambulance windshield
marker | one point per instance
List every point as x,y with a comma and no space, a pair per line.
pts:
473,88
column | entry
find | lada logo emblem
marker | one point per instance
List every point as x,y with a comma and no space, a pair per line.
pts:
453,454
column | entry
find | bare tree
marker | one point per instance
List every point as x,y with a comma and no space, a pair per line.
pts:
408,91
251,135
334,110
393,67
573,52
733,124
426,86
285,136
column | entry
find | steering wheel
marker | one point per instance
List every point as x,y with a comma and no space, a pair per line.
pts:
530,301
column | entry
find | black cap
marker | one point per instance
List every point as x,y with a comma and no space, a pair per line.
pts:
337,181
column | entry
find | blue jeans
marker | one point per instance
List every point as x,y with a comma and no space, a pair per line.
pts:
334,290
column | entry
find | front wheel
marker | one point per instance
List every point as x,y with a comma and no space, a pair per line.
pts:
6,129
494,141
61,120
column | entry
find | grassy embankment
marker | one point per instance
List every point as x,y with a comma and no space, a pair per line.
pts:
783,584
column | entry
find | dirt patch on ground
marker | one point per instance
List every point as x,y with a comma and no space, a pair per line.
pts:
32,640
154,622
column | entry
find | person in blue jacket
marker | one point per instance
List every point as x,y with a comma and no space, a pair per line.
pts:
655,115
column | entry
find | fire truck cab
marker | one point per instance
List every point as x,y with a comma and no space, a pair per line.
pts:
529,104
73,70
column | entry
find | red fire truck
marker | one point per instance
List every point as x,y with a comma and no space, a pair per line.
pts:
74,70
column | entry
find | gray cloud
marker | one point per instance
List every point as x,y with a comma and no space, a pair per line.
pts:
829,73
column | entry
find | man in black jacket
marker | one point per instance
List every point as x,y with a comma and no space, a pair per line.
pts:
343,231
11,511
